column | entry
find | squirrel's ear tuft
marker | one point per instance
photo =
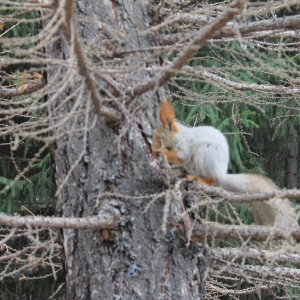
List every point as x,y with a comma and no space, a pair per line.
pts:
167,115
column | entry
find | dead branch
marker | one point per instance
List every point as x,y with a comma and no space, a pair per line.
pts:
267,88
253,28
216,287
234,254
243,198
235,232
181,18
27,250
101,221
193,46
274,34
26,89
283,275
289,22
71,35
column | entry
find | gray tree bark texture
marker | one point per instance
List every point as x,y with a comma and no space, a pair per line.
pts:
136,260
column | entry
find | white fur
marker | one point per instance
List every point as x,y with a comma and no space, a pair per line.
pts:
205,153
204,150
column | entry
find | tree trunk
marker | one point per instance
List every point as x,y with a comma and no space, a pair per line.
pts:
291,162
97,162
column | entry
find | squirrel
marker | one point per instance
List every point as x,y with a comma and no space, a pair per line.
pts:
203,152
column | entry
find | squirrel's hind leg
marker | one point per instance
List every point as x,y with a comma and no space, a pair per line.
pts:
206,181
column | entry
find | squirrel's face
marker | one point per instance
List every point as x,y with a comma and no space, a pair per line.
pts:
157,138
162,138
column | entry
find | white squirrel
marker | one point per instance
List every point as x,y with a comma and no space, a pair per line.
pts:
204,153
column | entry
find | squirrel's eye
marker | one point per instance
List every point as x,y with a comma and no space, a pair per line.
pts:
162,136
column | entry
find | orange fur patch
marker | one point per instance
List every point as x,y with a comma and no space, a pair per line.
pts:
167,115
206,181
173,157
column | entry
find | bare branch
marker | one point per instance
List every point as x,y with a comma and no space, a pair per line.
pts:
101,221
72,37
234,254
206,33
255,233
19,91
283,275
253,28
289,22
181,18
241,86
26,250
244,198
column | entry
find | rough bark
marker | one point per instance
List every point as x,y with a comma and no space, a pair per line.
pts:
135,261
291,163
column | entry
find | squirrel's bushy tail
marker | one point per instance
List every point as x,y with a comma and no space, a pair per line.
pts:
274,212
247,183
